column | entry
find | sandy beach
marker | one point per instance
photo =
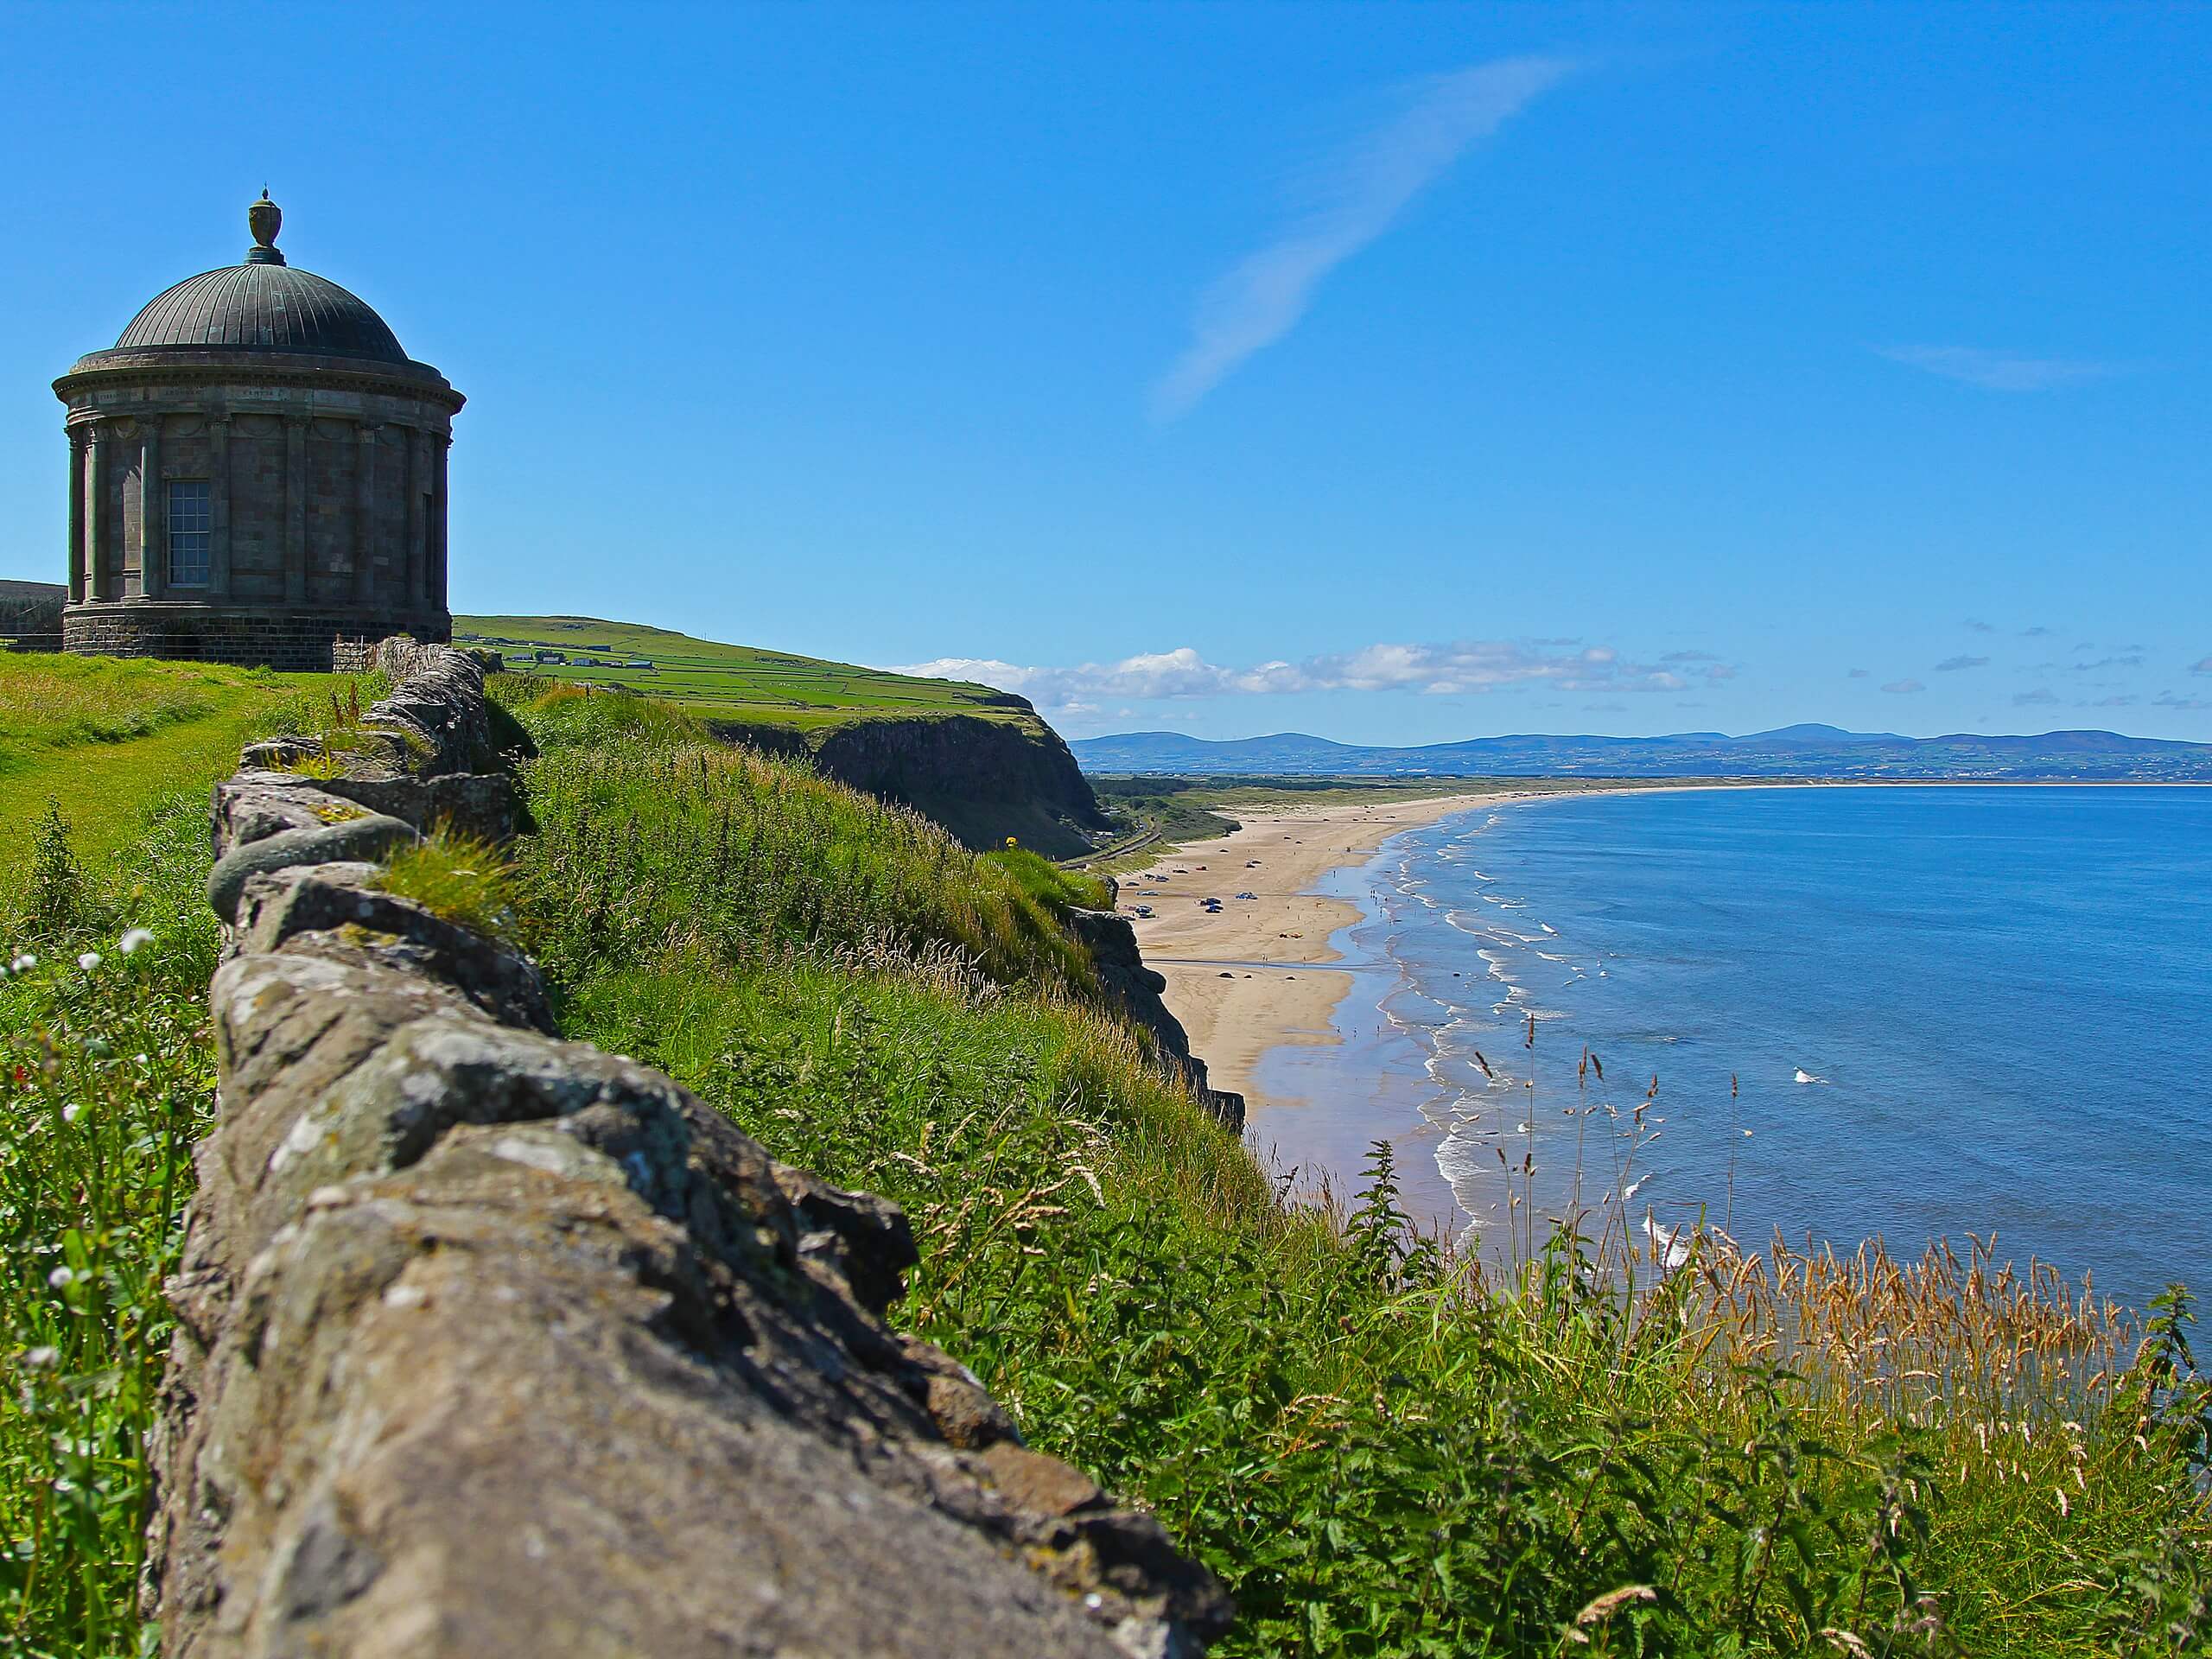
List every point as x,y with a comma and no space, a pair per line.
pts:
1253,976
1250,978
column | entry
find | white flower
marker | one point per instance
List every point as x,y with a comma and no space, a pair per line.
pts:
133,939
69,1112
39,1358
23,964
89,960
59,1277
143,1060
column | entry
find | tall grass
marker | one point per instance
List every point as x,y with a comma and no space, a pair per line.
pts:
1383,1448
652,838
106,1080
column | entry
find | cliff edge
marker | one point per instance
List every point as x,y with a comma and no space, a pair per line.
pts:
493,1343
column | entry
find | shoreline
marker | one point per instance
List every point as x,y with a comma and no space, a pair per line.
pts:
1258,976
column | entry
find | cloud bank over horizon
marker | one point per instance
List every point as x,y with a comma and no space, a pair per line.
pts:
1460,667
1263,297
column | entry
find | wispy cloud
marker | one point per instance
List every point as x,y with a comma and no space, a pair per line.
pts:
2134,659
1999,371
1263,297
2204,667
2168,700
1856,674
1903,687
1981,626
1461,667
2127,700
2041,693
2036,632
1952,664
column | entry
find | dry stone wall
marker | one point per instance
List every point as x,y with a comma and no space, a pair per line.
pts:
494,1344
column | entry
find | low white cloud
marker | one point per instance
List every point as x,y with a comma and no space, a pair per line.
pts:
1905,687
1458,668
1263,295
1998,370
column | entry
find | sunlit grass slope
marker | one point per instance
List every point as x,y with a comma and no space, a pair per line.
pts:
732,682
1380,1450
108,736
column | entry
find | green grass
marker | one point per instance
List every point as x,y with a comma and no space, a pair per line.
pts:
1382,1452
732,682
107,737
106,1080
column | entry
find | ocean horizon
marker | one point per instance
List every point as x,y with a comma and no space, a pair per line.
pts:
1909,1013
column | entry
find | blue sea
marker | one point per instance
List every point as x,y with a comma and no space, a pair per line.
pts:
2000,1000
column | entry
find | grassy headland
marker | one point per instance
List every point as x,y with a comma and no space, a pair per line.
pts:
723,682
1380,1450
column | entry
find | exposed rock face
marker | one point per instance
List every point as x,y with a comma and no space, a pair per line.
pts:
982,779
1136,989
493,1344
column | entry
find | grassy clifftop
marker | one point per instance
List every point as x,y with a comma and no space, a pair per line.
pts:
722,680
1380,1450
980,762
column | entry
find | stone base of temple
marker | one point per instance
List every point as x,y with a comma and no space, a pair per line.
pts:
294,640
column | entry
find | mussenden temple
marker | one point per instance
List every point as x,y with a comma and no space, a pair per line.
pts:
257,473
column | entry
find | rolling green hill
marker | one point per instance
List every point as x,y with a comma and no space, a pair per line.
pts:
717,680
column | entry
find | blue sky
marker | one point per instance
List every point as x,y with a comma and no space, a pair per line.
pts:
1393,373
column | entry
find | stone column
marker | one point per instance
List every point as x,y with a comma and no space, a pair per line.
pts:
364,510
418,483
218,506
153,545
97,585
78,592
440,445
295,508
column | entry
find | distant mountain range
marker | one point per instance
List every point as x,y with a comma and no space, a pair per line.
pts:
1786,752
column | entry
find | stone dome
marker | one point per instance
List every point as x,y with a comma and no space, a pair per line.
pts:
262,305
262,308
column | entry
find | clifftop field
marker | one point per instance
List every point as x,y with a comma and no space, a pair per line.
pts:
719,681
1378,1449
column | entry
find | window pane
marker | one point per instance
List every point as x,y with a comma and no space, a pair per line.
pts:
191,520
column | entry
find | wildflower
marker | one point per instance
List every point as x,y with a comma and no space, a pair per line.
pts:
133,939
61,1278
39,1358
89,960
69,1112
23,964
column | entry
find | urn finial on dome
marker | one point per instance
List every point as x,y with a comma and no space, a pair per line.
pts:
263,218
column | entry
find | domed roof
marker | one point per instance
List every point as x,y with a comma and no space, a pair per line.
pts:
263,305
